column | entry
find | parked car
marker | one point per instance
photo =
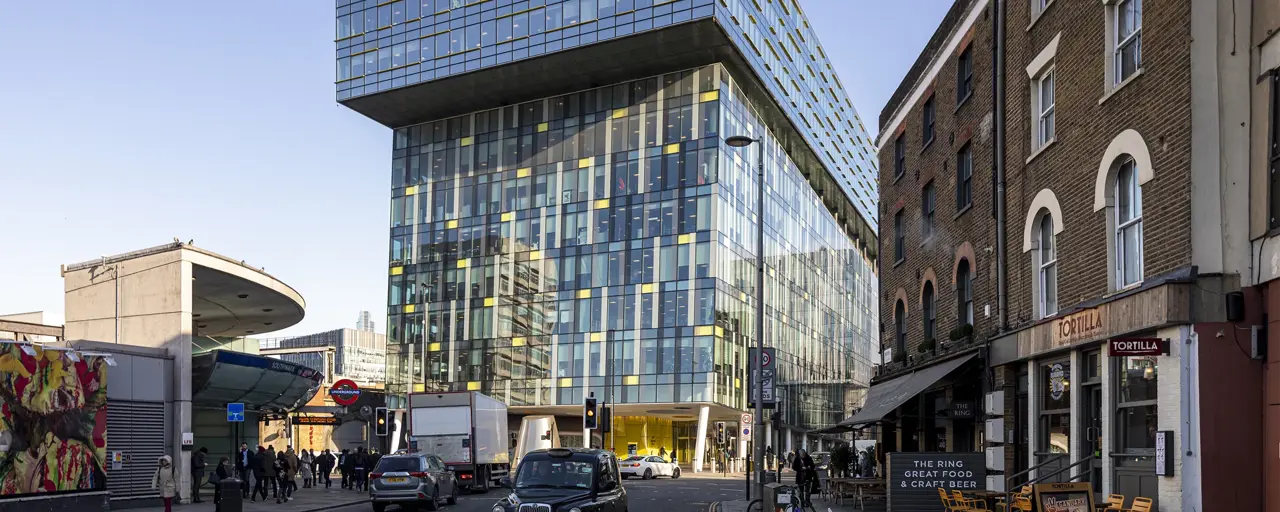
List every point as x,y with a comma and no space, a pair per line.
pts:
412,480
565,480
648,467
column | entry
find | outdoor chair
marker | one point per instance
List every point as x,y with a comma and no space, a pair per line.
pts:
1114,503
971,503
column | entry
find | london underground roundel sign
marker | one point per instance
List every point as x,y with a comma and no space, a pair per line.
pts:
345,392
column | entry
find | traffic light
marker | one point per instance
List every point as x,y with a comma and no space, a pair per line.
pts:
381,422
720,439
606,419
589,414
776,418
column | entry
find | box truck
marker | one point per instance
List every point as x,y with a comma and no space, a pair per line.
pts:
467,430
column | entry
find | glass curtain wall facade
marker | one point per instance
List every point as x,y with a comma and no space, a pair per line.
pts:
603,241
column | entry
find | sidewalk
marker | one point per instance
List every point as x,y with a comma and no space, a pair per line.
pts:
304,500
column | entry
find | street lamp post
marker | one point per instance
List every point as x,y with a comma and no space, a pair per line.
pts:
757,436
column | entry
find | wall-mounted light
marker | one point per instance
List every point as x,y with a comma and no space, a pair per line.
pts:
106,357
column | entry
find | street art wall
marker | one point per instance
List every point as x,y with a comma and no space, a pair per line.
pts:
53,431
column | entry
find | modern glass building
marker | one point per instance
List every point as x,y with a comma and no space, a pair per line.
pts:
566,219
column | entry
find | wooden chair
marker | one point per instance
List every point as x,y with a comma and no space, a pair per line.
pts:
970,503
1142,505
1021,501
1114,503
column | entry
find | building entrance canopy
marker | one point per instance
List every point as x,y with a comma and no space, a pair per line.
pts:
884,397
260,383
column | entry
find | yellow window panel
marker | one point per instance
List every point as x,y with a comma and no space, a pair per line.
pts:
535,255
584,294
434,346
542,127
517,342
584,162
671,148
648,288
411,190
619,113
709,96
451,224
409,308
742,297
719,332
419,387
703,330
631,380
464,263
684,239
508,217
566,382
597,336
473,385
524,173
395,271
466,141
737,383
602,204
490,301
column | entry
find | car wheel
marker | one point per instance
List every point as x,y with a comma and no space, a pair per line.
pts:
648,473
483,477
433,501
625,476
453,496
675,472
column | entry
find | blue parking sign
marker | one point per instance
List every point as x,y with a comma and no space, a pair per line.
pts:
235,412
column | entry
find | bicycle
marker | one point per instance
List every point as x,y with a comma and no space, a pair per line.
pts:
797,501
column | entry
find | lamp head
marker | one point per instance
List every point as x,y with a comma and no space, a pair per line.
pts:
739,141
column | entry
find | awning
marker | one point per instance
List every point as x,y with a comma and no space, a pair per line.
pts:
884,397
261,383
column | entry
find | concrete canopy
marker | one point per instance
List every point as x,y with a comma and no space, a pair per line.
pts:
226,304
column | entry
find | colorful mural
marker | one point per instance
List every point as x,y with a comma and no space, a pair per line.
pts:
53,431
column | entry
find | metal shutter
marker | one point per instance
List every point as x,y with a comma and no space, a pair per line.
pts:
137,429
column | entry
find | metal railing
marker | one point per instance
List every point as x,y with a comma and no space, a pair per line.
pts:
1008,488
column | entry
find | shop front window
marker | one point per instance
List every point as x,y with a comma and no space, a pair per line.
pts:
1054,430
1136,405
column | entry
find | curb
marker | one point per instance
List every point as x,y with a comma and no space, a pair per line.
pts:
714,507
334,505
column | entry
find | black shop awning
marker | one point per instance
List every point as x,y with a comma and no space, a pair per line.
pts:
884,397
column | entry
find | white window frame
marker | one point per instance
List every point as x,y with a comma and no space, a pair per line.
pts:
1119,45
1046,268
1046,129
1133,223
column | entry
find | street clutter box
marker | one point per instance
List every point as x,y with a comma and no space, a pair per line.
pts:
914,478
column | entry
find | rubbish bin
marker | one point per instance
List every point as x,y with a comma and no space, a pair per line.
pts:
232,500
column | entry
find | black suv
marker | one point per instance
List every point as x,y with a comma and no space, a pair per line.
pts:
565,480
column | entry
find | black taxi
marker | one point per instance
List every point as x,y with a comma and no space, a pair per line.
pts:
565,480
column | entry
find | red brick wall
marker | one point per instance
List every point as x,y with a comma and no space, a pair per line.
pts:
971,122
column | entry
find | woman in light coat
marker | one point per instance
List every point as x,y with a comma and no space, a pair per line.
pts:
305,468
166,480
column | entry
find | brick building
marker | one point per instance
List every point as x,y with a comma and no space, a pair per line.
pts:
1115,258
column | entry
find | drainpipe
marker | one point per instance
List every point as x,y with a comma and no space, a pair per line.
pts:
1002,285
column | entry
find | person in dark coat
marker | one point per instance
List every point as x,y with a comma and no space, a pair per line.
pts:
344,464
242,468
806,471
222,472
259,463
325,463
359,468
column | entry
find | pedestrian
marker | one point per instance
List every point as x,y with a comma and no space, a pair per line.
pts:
242,468
273,476
282,472
662,451
344,465
222,472
259,464
166,481
197,472
673,456
358,462
326,462
306,468
806,472
291,458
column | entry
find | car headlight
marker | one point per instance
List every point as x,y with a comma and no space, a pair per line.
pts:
575,509
499,508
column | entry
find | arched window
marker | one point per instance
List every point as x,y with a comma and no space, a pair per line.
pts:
1128,223
964,293
1047,268
927,313
900,329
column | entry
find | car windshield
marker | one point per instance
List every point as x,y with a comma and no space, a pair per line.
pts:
555,473
393,464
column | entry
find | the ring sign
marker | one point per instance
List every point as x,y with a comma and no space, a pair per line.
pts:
345,392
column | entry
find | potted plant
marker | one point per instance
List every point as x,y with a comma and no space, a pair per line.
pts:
929,346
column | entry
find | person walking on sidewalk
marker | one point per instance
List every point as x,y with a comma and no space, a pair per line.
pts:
273,476
344,465
291,457
166,481
358,462
242,468
306,461
197,472
325,462
259,474
282,472
222,472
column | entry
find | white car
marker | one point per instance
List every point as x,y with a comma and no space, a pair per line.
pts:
652,466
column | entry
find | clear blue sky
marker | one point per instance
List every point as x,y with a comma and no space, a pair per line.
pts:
124,124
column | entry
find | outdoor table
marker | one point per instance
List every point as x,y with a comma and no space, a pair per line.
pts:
989,497
857,484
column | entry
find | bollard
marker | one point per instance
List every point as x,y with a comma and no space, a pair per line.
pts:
232,500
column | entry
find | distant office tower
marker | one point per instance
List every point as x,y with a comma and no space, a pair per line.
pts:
365,323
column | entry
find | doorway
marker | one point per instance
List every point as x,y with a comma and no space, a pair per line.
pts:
1091,417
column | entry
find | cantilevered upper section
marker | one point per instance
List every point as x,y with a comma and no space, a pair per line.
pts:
411,61
154,296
